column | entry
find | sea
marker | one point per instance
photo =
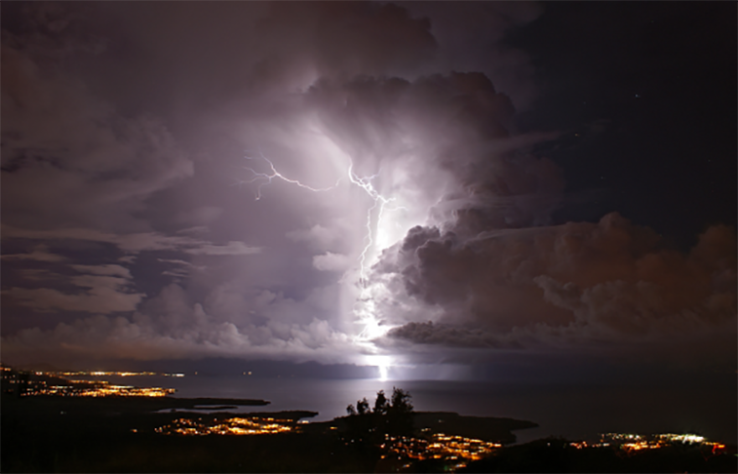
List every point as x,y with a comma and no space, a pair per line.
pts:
573,411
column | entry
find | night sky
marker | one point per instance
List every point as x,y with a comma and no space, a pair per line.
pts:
401,185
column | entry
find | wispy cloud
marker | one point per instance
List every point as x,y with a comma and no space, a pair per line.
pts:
136,242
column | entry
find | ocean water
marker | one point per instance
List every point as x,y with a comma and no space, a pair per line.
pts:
569,410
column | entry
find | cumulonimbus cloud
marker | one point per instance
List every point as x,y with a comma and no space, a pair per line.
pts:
464,254
568,284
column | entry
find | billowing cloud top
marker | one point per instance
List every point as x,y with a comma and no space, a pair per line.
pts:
333,182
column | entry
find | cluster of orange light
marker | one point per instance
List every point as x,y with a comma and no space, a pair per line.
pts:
103,391
440,446
103,373
641,445
467,448
229,426
634,442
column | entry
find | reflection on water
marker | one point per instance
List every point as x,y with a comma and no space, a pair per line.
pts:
566,410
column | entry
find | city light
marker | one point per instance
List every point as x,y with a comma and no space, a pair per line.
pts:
632,442
103,390
439,446
104,373
59,384
230,426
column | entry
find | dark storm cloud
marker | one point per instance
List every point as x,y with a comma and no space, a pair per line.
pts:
137,135
39,253
106,289
346,38
68,157
577,283
445,143
470,38
94,154
219,58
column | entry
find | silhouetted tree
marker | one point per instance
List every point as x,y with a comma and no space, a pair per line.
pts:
400,413
362,406
393,416
381,404
401,401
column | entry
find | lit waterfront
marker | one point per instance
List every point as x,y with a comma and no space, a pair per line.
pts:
439,446
229,426
39,383
631,442
104,390
564,410
101,373
455,450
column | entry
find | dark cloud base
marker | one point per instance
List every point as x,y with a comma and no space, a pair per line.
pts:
576,284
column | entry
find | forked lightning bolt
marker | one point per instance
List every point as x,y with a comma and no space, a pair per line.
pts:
266,178
380,202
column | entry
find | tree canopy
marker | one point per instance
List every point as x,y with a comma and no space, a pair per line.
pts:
392,416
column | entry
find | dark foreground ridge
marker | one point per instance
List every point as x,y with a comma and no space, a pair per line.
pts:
487,428
123,434
139,434
480,427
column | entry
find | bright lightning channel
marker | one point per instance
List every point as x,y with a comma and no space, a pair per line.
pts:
379,200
